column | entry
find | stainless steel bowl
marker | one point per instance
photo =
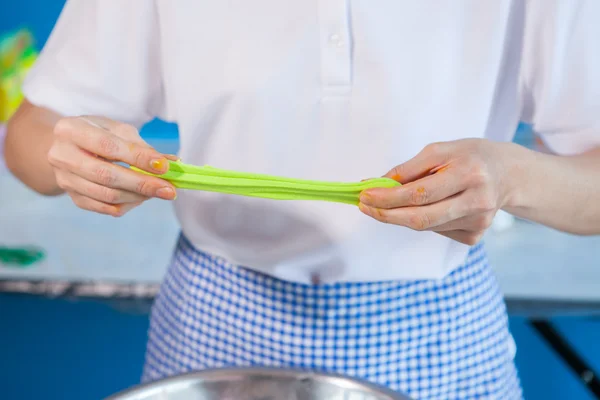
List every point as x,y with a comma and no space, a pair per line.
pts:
258,384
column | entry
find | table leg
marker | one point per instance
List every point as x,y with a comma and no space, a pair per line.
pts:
560,345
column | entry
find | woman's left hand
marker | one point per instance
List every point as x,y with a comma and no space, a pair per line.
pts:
452,188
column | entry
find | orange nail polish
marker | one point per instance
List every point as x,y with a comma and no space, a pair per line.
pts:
118,210
397,178
159,164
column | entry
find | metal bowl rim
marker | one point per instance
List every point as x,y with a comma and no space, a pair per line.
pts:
213,374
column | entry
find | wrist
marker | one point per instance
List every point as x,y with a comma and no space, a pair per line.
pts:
519,181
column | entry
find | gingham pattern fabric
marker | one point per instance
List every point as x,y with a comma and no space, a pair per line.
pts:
429,339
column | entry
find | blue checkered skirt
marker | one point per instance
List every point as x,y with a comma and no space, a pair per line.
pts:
431,339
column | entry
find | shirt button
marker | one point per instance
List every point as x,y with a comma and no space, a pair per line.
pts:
336,40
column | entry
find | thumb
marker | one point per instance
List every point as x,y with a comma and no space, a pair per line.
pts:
122,130
433,157
130,133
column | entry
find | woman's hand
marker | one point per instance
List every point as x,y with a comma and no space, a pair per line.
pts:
452,188
83,155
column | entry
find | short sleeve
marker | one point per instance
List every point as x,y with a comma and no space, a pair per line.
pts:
560,73
102,58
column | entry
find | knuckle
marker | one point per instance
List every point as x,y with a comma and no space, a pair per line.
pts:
63,127
419,196
109,195
105,177
383,215
478,174
145,187
108,145
140,156
433,149
419,221
398,170
379,214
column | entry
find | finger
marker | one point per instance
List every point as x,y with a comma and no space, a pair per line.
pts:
470,223
104,123
464,237
73,183
419,218
432,157
117,177
86,203
428,190
67,157
124,131
97,140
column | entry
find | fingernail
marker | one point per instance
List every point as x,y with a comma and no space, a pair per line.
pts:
158,164
118,211
397,178
166,193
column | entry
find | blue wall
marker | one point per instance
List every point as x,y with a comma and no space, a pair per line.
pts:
37,15
67,350
61,349
72,350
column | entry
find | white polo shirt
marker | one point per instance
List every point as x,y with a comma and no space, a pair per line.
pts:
337,90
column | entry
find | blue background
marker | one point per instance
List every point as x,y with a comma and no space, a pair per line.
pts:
74,349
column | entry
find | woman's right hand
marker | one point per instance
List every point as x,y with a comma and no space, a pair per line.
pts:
83,155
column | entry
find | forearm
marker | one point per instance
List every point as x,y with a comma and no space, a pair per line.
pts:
560,192
28,140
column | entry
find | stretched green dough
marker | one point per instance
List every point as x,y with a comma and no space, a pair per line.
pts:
184,176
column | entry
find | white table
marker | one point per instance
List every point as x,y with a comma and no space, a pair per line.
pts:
104,256
532,263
